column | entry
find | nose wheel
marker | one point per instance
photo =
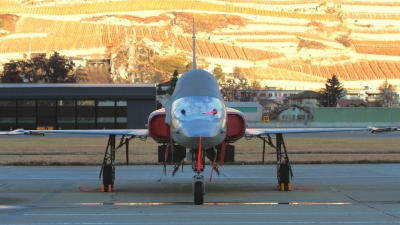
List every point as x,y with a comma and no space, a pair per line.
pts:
198,189
198,179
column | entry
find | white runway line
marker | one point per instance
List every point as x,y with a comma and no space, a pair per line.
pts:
207,222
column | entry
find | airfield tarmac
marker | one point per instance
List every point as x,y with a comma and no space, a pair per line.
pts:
242,194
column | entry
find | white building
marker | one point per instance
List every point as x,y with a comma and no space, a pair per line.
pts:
252,110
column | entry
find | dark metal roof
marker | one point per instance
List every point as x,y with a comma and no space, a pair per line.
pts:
356,103
306,95
77,91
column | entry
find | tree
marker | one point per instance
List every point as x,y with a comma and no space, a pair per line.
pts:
159,90
35,69
159,105
219,74
234,88
56,69
331,93
12,72
80,75
255,85
95,74
388,96
189,66
174,80
169,64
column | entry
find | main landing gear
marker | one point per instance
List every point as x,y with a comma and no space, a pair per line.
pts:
283,167
108,166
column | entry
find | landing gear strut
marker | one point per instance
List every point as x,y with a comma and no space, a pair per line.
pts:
108,166
283,167
198,178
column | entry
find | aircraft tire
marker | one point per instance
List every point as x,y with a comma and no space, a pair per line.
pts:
198,193
107,175
284,173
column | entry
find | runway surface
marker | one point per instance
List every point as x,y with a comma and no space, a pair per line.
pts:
243,194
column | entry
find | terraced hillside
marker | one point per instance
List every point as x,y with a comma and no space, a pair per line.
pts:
292,40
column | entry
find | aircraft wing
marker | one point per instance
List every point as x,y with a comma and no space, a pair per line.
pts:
132,132
265,131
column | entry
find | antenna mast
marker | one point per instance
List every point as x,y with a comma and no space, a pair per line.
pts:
194,47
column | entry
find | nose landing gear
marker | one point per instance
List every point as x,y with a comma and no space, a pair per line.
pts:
198,159
198,189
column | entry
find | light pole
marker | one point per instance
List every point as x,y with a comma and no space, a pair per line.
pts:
328,97
329,92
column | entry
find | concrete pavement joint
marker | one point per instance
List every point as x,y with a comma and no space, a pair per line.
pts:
113,195
221,222
19,213
226,176
362,203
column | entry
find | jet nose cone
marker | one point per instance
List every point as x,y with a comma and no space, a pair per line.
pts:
197,128
190,132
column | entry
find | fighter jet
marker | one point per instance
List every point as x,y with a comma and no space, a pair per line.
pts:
196,118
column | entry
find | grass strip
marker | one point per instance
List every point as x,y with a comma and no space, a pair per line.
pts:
89,151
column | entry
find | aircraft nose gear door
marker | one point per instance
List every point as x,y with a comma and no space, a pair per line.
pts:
198,158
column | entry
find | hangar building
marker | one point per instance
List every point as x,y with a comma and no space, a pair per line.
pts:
76,106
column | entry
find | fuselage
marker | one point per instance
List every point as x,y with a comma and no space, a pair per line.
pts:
196,109
195,116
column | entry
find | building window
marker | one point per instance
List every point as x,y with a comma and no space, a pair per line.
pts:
8,119
121,103
8,103
66,102
85,102
24,103
121,119
86,120
105,119
65,119
301,117
101,103
26,119
50,103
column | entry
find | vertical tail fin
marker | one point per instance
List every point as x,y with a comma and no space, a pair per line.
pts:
194,47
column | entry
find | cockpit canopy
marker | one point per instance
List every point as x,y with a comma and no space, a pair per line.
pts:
198,107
